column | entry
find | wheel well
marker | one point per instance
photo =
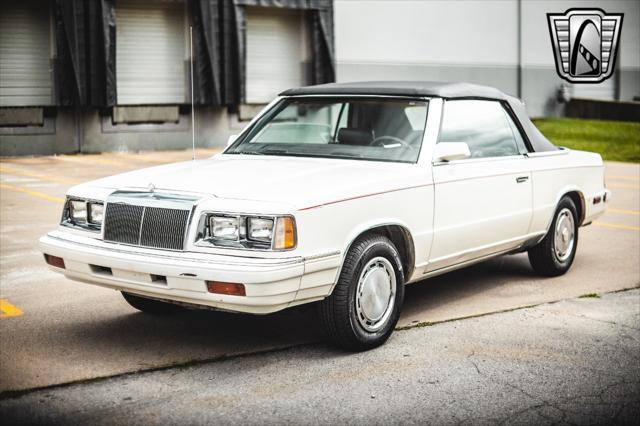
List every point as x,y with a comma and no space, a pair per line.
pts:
402,239
578,200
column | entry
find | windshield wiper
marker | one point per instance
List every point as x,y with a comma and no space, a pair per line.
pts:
247,153
273,151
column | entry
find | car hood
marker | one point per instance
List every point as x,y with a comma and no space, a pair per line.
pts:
299,182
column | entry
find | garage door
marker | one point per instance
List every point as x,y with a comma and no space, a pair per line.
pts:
605,90
25,69
276,52
150,52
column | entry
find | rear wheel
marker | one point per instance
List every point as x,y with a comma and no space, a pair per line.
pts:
554,255
151,306
365,305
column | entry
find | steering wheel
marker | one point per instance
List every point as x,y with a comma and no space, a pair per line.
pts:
378,141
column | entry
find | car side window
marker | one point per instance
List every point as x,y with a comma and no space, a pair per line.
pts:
522,147
483,125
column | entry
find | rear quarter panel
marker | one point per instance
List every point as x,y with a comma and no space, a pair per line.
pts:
557,174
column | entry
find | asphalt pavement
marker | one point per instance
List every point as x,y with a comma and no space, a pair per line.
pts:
571,362
54,331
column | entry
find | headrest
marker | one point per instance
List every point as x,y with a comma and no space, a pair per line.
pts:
352,136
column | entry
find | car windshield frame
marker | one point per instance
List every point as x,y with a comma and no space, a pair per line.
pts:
333,149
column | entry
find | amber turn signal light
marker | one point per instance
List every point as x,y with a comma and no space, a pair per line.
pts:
232,289
56,261
285,235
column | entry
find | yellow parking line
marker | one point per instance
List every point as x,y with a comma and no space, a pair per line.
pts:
8,310
145,158
622,211
151,157
616,226
36,194
91,160
12,171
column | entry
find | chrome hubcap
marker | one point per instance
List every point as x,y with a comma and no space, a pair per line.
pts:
375,294
564,237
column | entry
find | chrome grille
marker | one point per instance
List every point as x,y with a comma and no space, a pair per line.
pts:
122,223
146,226
164,228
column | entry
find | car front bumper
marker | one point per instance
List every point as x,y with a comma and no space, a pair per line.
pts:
270,284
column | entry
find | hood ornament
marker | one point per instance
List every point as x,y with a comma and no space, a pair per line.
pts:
151,187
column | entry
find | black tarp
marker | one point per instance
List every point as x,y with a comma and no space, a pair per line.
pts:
86,47
70,86
85,42
220,50
207,73
106,17
319,19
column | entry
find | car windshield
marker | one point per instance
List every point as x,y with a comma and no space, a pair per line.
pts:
378,129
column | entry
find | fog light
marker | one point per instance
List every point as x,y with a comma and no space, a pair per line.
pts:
232,289
56,261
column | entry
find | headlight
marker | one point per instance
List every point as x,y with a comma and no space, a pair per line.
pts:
96,213
251,232
78,211
83,214
260,229
225,228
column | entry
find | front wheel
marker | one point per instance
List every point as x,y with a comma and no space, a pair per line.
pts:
554,255
365,305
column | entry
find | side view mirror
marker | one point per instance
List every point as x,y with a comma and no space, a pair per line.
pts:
449,151
232,139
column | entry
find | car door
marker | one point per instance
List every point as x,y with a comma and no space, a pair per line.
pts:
482,204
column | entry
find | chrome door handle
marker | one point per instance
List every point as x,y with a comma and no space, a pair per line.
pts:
521,179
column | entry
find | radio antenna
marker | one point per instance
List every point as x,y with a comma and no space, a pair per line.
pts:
193,118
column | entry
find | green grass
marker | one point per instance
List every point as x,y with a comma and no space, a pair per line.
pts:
590,296
614,140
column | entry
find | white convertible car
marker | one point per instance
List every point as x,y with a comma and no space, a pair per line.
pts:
338,193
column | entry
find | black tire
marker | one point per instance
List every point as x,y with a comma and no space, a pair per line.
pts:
543,257
151,306
338,312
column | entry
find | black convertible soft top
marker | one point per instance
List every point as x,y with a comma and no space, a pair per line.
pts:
447,90
401,88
